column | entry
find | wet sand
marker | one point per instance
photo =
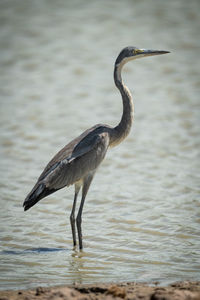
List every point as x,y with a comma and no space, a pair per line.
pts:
186,290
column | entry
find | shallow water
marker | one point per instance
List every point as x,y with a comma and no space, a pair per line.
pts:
141,217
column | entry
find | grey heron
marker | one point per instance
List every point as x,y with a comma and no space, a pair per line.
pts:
78,161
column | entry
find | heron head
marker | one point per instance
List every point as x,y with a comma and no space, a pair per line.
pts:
130,53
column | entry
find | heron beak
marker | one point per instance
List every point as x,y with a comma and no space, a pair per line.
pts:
144,52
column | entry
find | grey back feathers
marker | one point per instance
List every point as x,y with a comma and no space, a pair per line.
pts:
72,163
85,157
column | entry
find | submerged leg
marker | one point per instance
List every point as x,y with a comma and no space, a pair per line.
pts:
72,216
86,185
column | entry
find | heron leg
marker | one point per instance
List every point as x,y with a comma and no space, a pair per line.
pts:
86,185
72,216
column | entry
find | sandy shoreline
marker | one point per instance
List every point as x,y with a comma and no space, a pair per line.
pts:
187,290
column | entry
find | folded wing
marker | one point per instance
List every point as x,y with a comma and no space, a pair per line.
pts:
84,157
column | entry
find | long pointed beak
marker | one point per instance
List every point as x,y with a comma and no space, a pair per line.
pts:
144,52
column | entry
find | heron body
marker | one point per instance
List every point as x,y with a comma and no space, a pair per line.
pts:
78,161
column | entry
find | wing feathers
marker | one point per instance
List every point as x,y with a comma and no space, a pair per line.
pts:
85,156
37,193
82,161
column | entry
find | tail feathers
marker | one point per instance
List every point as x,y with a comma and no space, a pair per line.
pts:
38,192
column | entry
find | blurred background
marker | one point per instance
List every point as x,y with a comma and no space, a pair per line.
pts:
141,217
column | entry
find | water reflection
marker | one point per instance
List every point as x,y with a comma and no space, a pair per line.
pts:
76,266
32,250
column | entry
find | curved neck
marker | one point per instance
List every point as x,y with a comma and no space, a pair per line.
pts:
124,126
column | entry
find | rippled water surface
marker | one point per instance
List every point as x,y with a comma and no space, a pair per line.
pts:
141,217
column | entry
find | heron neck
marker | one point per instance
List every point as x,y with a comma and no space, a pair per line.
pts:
123,128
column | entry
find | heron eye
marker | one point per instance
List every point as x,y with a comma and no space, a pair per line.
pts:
136,51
